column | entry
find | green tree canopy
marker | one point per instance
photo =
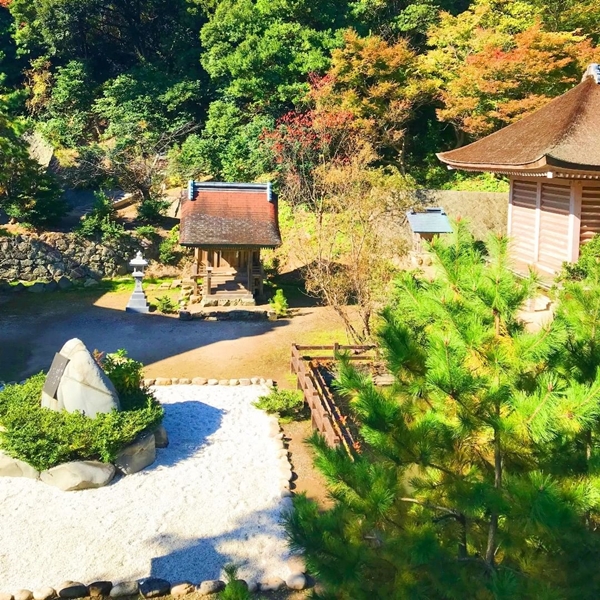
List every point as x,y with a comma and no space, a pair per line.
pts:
478,474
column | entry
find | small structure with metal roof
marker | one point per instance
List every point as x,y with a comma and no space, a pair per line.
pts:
552,157
427,223
228,224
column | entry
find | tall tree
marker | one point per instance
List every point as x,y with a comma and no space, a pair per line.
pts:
472,481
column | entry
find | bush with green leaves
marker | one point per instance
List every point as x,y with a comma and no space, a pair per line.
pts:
46,438
287,403
151,210
235,589
166,305
588,263
100,223
147,232
279,303
169,252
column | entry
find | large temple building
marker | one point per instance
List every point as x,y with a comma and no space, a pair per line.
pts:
552,157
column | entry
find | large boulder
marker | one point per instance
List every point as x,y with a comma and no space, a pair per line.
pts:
13,467
137,456
79,475
83,386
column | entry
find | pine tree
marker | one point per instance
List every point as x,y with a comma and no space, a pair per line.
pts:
478,476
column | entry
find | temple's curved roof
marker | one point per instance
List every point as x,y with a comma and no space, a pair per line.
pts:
563,137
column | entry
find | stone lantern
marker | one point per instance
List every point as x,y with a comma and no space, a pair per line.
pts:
138,302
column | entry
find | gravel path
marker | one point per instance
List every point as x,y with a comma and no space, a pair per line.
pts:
212,497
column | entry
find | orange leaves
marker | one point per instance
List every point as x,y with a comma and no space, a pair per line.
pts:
509,76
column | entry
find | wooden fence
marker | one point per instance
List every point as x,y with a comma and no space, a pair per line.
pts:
326,416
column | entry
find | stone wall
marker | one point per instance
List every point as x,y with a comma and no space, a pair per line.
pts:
53,255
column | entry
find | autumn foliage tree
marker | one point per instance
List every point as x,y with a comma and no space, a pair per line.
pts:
494,66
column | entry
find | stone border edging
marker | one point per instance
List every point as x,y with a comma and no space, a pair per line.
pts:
160,381
153,587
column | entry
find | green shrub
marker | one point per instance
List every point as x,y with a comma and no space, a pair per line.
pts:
166,305
235,589
287,403
147,232
100,222
169,251
588,263
46,438
152,210
279,303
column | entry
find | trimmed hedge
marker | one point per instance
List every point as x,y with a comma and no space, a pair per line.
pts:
45,438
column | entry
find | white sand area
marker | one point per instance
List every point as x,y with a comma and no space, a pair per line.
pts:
212,497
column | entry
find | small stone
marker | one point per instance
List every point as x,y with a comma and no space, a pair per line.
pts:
175,284
90,283
252,587
72,589
125,588
23,595
234,382
64,283
255,380
185,315
296,581
153,587
213,586
223,381
245,382
5,596
100,588
175,381
213,382
149,382
271,315
162,381
161,438
199,381
195,299
272,584
182,589
184,381
36,288
45,593
270,383
274,429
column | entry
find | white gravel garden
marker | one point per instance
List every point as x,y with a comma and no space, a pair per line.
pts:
214,496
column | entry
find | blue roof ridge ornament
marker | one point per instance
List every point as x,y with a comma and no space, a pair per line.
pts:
592,71
191,189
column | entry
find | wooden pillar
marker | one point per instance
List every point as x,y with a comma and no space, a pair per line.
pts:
261,290
249,271
195,268
207,282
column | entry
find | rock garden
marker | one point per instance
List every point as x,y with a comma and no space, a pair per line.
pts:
87,498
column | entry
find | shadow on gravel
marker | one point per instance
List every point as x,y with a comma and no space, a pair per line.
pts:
188,424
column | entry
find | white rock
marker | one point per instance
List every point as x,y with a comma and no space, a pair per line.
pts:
137,456
125,588
182,589
23,595
79,475
13,467
212,586
83,387
213,382
272,584
296,581
5,596
45,593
